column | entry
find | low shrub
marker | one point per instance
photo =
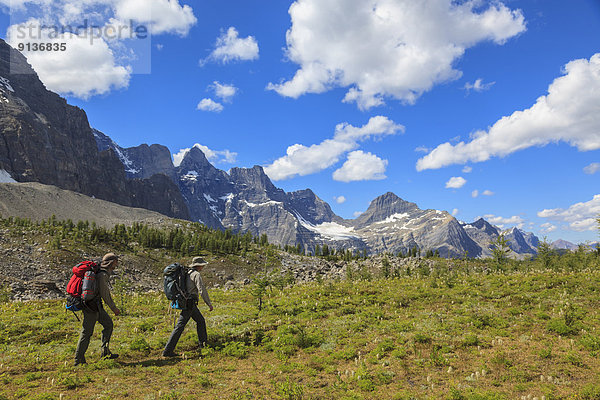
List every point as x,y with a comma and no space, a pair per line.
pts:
140,344
236,349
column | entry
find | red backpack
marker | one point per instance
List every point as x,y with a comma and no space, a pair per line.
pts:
82,285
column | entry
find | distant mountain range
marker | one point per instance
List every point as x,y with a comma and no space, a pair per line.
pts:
245,200
48,141
564,245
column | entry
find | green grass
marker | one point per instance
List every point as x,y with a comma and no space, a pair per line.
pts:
484,336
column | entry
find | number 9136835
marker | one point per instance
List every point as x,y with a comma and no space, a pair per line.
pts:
42,46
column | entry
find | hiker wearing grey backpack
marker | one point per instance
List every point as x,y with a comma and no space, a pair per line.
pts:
194,288
93,311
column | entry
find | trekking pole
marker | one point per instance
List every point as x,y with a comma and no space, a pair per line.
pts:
174,317
73,314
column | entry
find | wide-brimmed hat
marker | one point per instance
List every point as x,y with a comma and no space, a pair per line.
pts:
108,259
198,262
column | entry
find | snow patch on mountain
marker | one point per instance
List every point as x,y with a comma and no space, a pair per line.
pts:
190,176
393,218
6,83
5,177
329,230
228,197
127,163
267,203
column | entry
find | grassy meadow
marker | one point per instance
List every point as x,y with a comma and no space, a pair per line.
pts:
461,329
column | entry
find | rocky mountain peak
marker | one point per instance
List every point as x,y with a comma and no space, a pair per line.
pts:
311,207
390,200
384,207
140,162
563,244
250,176
486,227
257,185
517,242
195,159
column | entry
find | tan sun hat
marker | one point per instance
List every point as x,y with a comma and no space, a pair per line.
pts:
108,259
198,262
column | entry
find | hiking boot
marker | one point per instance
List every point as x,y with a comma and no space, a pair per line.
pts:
109,356
168,354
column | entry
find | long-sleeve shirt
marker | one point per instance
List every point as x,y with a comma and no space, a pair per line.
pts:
195,286
104,289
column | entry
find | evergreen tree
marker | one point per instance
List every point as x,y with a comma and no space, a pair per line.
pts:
264,240
500,248
545,253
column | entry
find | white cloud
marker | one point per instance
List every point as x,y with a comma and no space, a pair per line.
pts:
501,222
475,193
210,105
548,227
467,169
339,199
568,113
456,182
592,168
302,160
386,48
230,47
455,212
579,216
224,91
361,166
588,224
357,214
83,70
478,86
217,156
161,16
422,149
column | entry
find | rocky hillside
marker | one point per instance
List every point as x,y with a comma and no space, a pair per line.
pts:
38,202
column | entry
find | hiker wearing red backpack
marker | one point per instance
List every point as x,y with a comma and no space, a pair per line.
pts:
93,311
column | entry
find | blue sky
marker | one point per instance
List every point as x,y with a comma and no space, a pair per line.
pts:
354,99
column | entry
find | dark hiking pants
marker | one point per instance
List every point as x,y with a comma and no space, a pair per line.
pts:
89,321
192,312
